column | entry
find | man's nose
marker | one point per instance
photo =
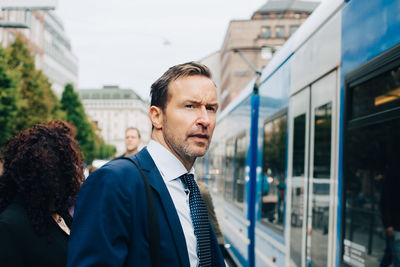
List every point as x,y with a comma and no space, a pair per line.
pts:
204,117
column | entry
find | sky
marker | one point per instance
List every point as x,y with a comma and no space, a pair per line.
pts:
131,43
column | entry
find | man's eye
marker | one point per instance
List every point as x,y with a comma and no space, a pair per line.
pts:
211,108
189,106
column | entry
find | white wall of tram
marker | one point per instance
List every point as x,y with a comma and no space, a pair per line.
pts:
316,57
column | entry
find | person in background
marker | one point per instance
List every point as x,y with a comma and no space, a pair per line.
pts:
132,141
111,224
206,196
42,175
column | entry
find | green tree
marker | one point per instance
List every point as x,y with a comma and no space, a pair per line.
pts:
8,99
103,150
75,114
36,100
106,151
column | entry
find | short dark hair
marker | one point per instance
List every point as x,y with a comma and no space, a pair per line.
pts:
133,128
159,89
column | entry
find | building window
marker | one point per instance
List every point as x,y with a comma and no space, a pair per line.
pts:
242,73
266,52
265,32
293,29
279,15
28,18
280,31
265,16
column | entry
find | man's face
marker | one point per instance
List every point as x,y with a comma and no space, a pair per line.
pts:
189,116
132,140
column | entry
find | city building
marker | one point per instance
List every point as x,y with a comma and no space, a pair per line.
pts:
60,64
34,35
114,109
47,40
213,62
258,39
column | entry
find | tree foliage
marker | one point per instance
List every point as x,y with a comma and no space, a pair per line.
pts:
35,99
76,115
106,151
8,99
26,98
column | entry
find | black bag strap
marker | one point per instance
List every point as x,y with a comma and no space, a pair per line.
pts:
154,230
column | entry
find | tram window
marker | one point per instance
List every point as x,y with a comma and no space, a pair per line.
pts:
297,191
370,168
273,177
239,170
299,147
377,94
229,165
372,155
322,141
216,180
321,184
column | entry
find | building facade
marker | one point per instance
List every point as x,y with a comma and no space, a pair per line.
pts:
213,62
34,35
60,64
47,40
114,109
258,39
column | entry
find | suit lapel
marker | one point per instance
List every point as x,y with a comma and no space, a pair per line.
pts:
157,183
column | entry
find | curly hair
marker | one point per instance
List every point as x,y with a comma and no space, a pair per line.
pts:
43,168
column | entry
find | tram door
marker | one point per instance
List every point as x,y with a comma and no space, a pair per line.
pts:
312,185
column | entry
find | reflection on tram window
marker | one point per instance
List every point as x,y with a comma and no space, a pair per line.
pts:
299,147
322,141
229,165
297,191
236,149
239,173
377,94
370,149
321,184
273,177
216,161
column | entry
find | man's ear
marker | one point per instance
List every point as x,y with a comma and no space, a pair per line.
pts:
156,117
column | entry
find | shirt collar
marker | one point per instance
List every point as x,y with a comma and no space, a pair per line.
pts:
169,166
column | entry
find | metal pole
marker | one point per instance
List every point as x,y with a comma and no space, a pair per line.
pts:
255,103
251,213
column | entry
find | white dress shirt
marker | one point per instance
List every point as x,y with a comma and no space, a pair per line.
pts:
171,169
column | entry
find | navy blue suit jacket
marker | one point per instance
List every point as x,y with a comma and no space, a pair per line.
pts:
110,226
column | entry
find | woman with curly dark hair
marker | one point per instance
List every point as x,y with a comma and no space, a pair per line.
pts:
42,175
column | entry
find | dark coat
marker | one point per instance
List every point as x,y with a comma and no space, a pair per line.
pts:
110,225
21,246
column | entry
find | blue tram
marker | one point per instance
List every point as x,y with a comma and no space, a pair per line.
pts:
328,130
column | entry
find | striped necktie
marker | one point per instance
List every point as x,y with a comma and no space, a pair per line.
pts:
199,215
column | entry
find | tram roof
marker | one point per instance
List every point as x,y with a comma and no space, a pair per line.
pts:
326,10
323,13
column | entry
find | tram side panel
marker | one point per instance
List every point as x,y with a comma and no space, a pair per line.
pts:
311,231
272,158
